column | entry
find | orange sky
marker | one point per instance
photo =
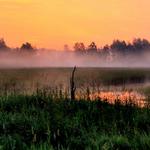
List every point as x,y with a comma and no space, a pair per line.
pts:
53,23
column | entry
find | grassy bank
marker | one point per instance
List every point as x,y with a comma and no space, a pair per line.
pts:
43,122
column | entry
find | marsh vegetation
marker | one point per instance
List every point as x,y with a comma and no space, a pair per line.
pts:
37,113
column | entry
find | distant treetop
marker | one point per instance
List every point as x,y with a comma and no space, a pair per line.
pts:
3,44
92,47
27,46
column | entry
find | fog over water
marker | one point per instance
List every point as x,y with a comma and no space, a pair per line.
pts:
47,58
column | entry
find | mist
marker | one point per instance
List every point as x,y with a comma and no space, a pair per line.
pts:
49,58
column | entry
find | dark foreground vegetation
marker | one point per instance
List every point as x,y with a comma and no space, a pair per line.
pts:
45,122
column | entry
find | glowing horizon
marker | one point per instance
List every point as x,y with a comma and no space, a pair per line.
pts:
51,24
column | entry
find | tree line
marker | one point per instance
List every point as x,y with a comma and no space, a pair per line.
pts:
137,46
24,47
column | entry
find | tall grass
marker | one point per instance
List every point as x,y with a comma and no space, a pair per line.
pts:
45,121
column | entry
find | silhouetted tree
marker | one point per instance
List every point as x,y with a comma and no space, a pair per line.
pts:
27,46
105,51
130,46
106,47
3,45
92,48
129,49
119,45
118,48
146,44
79,47
141,44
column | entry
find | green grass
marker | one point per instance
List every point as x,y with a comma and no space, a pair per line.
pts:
33,119
43,122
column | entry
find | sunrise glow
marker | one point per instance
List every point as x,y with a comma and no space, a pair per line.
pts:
53,23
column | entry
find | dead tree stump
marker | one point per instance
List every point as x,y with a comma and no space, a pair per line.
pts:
72,84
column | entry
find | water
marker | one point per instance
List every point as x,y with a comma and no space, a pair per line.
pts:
104,83
122,96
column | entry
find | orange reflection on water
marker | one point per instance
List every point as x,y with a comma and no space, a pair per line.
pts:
123,97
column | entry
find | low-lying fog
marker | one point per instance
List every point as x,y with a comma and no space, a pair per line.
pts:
47,58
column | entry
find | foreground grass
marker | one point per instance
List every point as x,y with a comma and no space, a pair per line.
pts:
40,122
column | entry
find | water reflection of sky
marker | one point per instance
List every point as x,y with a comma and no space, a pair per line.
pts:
122,96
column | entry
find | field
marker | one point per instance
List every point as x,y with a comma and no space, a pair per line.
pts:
37,112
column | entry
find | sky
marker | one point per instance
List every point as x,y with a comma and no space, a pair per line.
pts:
54,23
